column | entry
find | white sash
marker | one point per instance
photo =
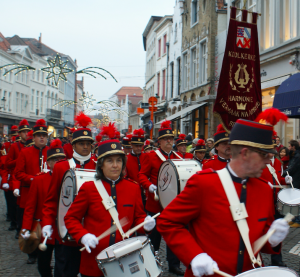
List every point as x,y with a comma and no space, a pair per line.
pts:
72,163
161,156
273,172
238,211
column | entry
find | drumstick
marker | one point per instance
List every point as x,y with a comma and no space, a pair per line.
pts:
222,273
110,230
43,246
259,243
155,195
291,181
128,233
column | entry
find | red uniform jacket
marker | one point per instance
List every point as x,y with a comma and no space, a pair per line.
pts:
36,198
50,205
3,172
193,207
28,166
202,162
215,163
186,155
148,175
68,149
278,147
133,165
88,205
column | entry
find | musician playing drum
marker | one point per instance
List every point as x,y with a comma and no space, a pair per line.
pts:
205,246
88,206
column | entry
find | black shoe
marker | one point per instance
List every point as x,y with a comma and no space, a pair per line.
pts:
8,218
176,270
12,227
281,263
17,236
31,260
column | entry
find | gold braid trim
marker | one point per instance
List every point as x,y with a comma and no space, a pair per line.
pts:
252,144
111,152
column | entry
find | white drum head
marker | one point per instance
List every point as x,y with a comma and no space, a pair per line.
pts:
168,183
66,198
269,271
289,196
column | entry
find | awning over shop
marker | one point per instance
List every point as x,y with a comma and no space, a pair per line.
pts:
287,97
274,82
182,112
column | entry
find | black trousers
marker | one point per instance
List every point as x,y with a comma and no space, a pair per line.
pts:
6,201
276,258
44,261
68,259
155,238
20,212
12,207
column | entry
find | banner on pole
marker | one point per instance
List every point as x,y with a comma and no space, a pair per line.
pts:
239,89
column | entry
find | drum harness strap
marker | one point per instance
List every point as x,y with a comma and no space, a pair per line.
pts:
238,211
161,156
273,172
72,164
109,205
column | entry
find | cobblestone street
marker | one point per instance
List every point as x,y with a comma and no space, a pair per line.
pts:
13,261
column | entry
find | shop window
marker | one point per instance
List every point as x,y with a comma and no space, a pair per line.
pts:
194,13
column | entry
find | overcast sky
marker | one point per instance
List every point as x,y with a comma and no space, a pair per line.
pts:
102,33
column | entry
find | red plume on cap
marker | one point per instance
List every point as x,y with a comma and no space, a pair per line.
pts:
166,124
14,127
98,138
147,142
13,139
23,122
56,143
129,136
201,142
274,133
109,130
30,134
82,120
118,135
182,136
139,132
220,128
40,122
271,116
72,130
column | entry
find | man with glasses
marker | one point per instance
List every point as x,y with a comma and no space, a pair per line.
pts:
148,179
82,145
205,245
222,149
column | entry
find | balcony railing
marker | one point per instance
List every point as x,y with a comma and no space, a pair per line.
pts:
53,114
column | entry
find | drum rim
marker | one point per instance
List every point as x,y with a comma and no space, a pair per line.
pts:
73,175
269,268
177,177
146,242
284,203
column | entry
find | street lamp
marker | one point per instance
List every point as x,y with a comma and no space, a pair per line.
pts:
3,100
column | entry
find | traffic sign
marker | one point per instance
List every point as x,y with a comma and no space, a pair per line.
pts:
154,109
152,101
150,125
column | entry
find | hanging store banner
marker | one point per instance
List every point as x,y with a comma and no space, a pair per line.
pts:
239,91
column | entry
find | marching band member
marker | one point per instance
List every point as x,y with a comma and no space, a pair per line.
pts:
29,164
11,161
206,246
34,207
199,152
136,158
88,208
126,144
148,179
147,147
68,149
222,149
181,144
82,158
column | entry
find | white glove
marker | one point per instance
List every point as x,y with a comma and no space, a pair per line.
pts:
89,240
47,231
282,230
16,192
152,188
203,264
288,180
150,223
5,186
26,235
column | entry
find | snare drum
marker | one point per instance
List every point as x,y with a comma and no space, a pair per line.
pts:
270,271
72,181
289,201
134,256
172,177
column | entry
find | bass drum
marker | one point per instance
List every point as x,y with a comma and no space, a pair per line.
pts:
72,181
269,271
172,177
